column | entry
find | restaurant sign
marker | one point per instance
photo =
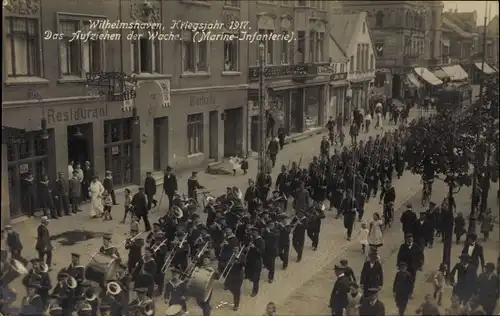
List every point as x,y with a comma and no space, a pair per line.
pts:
330,71
283,71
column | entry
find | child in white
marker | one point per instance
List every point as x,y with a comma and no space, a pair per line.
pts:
363,237
236,163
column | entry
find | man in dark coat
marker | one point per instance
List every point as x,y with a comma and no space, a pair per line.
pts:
88,174
371,306
282,181
273,149
61,195
338,298
408,220
140,204
401,289
14,244
372,275
299,235
28,188
43,245
281,136
348,210
108,185
302,199
413,256
474,251
464,277
170,185
488,287
150,189
75,191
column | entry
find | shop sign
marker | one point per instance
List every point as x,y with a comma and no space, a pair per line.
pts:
76,114
338,76
283,71
203,99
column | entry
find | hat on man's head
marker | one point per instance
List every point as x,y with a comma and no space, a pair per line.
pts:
107,237
76,255
108,172
338,267
409,206
159,236
169,168
44,219
373,291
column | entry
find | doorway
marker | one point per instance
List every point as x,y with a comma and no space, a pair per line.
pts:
254,133
160,143
213,134
233,132
396,86
80,143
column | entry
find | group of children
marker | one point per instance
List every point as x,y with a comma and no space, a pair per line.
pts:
239,163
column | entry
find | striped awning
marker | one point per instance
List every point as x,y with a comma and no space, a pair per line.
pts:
487,69
455,72
441,74
428,76
413,80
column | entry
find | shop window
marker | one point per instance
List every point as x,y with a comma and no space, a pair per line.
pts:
231,48
285,50
301,47
117,130
118,149
195,133
312,107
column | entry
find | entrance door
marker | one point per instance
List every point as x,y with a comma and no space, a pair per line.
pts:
254,131
233,135
213,134
160,143
80,143
118,150
396,86
297,111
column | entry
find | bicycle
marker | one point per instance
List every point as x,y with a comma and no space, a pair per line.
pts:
426,193
388,215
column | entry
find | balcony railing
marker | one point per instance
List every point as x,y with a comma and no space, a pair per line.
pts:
298,72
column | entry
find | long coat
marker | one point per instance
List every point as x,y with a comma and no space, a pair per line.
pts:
464,279
488,291
371,277
43,239
338,297
413,256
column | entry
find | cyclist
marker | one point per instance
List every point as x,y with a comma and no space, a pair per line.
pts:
388,194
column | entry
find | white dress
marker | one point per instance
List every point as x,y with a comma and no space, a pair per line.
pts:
375,236
96,190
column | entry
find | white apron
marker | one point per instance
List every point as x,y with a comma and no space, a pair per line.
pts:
96,189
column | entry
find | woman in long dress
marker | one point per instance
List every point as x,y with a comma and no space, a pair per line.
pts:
375,237
96,190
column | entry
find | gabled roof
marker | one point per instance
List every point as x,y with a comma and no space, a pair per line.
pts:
343,27
336,53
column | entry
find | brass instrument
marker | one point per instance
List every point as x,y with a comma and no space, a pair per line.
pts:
148,307
127,240
155,249
113,288
71,282
177,211
170,257
191,268
44,267
227,269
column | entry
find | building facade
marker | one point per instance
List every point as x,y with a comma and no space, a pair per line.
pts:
293,89
190,101
406,35
352,33
337,71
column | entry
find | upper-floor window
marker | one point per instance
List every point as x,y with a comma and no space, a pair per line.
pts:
301,47
285,50
312,46
320,47
77,57
194,54
268,47
358,58
313,3
364,27
379,19
146,55
232,3
321,4
302,3
372,62
351,64
342,68
287,3
21,47
231,54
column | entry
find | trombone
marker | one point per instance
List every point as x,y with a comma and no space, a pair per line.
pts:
171,254
192,267
227,269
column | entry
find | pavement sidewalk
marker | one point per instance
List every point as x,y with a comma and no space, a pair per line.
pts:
81,234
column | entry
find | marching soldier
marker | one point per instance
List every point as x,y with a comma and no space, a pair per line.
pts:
282,182
82,308
160,251
38,275
235,278
147,270
55,308
108,249
150,190
76,271
264,183
32,304
251,197
348,209
299,234
43,244
113,303
92,301
175,289
142,303
134,247
253,264
61,195
270,237
181,248
314,224
64,292
284,239
170,185
150,239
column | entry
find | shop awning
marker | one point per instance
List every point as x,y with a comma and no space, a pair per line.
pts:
413,80
455,72
487,69
445,42
428,76
441,74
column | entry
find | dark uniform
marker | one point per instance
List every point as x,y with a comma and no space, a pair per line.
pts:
401,288
170,185
412,255
138,305
76,271
235,278
174,291
314,226
146,272
371,306
41,280
284,242
299,235
372,275
193,186
253,264
150,190
338,297
32,305
64,292
270,236
159,257
134,248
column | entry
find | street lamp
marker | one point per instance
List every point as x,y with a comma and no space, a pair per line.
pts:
262,132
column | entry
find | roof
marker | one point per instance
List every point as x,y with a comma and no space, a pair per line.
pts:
337,55
448,24
343,28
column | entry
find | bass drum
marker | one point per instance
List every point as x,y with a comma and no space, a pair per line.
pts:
102,268
201,283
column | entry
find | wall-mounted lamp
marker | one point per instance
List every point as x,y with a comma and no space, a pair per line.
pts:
135,117
78,133
45,132
223,115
